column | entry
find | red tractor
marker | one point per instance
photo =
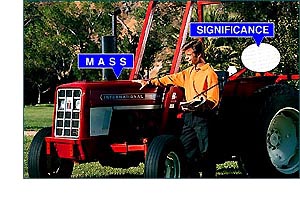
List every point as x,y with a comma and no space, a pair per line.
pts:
117,124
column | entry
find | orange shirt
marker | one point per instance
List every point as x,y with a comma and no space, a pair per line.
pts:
194,82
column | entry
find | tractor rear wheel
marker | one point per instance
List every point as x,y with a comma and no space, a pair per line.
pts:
42,166
165,158
273,142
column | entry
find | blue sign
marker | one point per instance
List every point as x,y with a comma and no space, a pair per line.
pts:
257,30
116,61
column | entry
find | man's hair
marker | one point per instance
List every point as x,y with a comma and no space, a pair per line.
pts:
196,45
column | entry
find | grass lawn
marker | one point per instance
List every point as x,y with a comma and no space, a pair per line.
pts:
37,117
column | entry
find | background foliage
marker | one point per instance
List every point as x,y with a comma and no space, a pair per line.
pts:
55,32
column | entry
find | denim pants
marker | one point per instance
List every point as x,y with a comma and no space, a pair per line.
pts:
194,136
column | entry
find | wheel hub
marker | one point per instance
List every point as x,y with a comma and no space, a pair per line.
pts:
274,139
172,166
282,140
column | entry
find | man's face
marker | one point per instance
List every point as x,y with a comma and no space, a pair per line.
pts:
191,57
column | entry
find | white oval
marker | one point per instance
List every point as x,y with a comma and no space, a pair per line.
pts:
261,58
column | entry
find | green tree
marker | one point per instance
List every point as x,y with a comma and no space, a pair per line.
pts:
285,16
54,33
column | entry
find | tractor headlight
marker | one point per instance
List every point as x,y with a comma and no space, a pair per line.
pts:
77,104
61,104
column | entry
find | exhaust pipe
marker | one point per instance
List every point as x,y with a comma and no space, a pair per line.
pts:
109,44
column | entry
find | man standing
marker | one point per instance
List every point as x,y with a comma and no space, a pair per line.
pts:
198,79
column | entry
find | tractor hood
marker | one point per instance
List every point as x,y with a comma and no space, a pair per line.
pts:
114,93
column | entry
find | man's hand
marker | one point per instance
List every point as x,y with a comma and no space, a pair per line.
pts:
207,106
200,105
142,82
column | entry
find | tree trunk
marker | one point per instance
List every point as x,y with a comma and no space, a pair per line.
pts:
39,96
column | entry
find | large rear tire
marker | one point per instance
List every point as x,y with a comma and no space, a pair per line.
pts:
272,146
165,158
42,166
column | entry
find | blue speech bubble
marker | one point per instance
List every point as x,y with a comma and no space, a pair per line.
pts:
257,30
116,61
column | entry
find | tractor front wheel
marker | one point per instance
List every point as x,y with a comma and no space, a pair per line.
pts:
165,158
42,166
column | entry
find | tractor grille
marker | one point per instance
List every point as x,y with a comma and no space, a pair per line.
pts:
67,113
